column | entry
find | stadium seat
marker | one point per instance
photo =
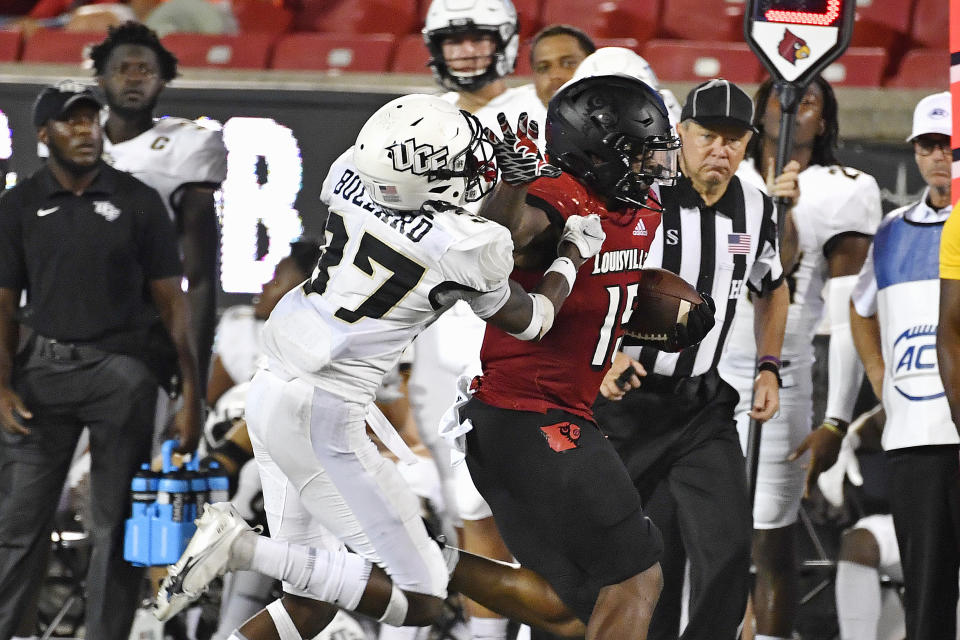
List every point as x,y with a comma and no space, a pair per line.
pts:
858,67
709,20
922,68
258,16
880,23
358,16
248,51
56,45
624,19
9,45
411,55
931,20
684,61
333,52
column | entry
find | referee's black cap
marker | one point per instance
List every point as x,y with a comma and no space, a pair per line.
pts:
719,101
53,102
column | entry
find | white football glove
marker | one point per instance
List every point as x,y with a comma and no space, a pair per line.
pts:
586,233
518,157
846,466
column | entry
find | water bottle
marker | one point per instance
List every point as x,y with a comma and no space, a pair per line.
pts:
171,526
199,494
143,494
218,483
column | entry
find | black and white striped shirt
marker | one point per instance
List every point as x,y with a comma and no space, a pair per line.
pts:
722,250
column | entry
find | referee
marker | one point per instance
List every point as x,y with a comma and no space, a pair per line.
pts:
674,426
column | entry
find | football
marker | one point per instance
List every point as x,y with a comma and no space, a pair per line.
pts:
663,300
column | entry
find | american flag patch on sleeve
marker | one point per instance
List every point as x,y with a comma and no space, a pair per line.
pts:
738,242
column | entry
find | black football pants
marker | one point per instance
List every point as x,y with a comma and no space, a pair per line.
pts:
925,503
679,442
115,396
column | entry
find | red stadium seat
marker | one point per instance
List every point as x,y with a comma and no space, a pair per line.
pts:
411,55
931,24
9,45
880,23
333,52
922,68
858,67
56,45
248,51
358,16
258,16
710,20
624,19
683,61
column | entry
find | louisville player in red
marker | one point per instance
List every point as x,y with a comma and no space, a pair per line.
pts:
560,495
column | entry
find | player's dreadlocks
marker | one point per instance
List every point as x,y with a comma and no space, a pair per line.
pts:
824,145
131,32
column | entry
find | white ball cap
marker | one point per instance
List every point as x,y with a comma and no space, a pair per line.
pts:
932,115
616,60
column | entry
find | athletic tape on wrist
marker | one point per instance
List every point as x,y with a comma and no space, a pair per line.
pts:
396,611
540,320
283,622
564,266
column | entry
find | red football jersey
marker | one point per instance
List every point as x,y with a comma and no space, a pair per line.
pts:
564,370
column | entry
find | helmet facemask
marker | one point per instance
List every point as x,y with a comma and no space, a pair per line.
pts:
475,164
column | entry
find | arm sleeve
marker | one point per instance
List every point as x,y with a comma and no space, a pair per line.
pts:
160,253
950,248
12,266
846,370
864,294
766,272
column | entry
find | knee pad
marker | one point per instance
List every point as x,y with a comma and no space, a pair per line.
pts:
470,503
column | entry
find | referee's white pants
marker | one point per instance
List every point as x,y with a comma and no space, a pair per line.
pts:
779,482
325,484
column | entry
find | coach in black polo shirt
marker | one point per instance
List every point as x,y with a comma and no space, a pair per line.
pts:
674,426
97,256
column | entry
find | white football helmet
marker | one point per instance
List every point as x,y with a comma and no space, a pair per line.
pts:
622,61
420,148
452,17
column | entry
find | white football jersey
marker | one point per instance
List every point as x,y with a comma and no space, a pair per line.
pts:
383,277
512,103
173,153
833,201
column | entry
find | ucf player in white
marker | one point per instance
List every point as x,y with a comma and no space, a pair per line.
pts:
827,237
399,252
181,159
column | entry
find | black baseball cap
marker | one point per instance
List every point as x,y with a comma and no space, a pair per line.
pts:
53,102
719,101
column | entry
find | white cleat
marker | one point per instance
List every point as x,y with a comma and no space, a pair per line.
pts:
206,557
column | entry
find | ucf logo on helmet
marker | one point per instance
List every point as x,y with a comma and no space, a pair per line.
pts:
417,158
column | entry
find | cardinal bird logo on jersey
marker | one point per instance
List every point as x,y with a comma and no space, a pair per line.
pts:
793,47
561,436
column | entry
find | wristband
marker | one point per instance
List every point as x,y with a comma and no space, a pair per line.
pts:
564,266
772,368
774,360
838,427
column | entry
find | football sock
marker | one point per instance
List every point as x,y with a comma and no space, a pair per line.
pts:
488,628
337,577
858,600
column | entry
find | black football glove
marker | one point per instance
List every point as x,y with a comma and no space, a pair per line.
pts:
700,320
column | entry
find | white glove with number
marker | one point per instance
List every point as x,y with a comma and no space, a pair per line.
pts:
846,466
586,233
518,157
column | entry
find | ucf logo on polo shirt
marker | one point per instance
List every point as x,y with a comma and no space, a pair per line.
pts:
106,209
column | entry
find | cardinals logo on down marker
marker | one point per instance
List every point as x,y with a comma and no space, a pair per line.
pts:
793,47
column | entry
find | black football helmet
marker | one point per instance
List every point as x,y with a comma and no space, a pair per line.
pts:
613,133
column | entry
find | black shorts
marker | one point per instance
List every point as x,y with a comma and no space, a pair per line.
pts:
562,500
